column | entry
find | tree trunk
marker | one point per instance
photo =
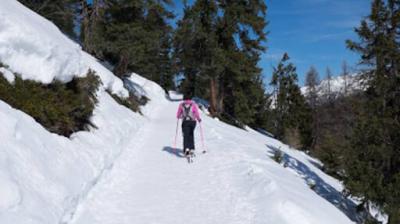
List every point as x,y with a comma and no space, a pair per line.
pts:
122,67
213,96
85,25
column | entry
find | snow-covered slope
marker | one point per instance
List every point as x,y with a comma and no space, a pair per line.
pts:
126,170
35,49
236,181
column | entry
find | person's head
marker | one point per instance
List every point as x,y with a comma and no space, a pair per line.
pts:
187,96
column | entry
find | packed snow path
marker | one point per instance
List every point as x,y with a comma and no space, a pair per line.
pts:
150,183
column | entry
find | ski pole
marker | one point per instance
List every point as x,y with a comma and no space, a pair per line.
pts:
176,134
202,138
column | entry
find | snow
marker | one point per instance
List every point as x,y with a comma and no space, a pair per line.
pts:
36,49
338,85
126,171
235,182
9,193
10,77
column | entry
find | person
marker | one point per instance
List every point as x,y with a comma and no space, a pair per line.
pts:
189,113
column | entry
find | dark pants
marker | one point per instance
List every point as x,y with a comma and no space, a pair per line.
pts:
188,134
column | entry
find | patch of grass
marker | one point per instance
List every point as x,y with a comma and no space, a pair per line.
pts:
132,102
62,108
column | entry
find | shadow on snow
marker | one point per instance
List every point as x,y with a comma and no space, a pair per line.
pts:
323,189
174,151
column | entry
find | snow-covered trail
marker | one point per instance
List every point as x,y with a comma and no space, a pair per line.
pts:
151,184
235,182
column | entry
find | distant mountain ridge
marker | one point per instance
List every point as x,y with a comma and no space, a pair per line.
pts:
339,85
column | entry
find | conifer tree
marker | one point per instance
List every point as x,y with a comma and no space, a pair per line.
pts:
217,48
196,49
373,172
133,35
291,114
244,20
312,82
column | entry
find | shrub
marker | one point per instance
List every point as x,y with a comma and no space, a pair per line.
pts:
132,102
62,108
278,156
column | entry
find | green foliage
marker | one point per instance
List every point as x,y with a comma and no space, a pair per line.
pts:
336,120
291,116
217,46
134,36
60,108
278,156
373,167
132,102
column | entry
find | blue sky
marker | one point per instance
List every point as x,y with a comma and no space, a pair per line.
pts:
313,32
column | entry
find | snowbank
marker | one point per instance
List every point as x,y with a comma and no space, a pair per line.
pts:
7,74
152,91
9,193
52,173
44,176
36,49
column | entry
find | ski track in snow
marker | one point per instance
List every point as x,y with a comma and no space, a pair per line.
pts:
152,183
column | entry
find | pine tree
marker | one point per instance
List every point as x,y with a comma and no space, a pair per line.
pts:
159,67
312,82
196,49
212,37
374,170
291,114
241,35
133,35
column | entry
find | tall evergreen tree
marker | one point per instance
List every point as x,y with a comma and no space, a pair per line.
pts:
196,48
133,35
291,114
211,39
312,97
374,170
241,35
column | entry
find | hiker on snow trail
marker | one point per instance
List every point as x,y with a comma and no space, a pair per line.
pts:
189,113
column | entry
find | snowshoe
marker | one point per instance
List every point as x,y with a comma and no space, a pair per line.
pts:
190,154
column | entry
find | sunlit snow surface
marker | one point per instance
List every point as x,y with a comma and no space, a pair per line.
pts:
126,170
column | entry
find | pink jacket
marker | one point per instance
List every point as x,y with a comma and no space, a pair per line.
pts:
195,110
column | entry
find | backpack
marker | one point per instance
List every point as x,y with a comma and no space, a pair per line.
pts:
187,112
